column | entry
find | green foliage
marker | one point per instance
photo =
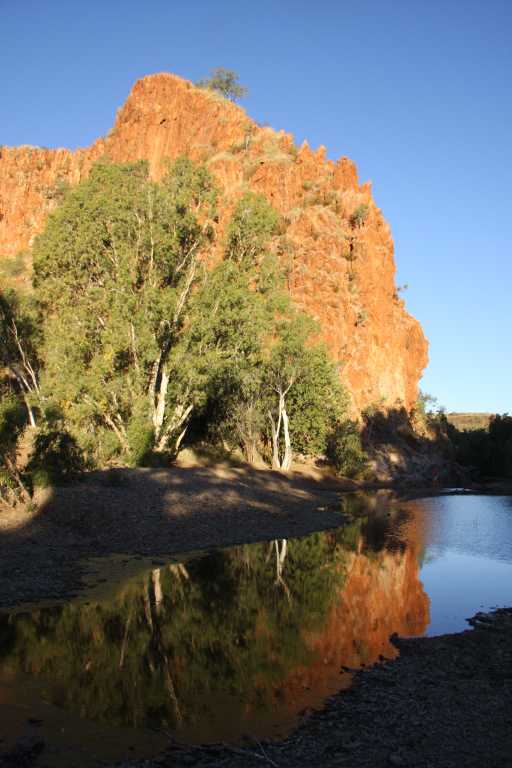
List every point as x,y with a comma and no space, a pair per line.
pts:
315,398
13,266
12,422
56,457
359,216
18,389
345,449
114,272
20,337
235,315
191,187
430,415
225,82
252,224
315,402
488,451
260,344
140,338
141,439
13,419
426,404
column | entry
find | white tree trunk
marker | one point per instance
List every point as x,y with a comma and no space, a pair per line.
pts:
177,422
285,462
159,407
287,458
157,588
276,464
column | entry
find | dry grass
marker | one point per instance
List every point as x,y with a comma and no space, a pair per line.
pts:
469,421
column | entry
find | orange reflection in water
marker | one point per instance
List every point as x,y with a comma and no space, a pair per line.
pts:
382,595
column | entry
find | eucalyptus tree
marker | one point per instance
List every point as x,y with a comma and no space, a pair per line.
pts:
18,349
115,271
13,420
274,380
19,393
141,332
301,389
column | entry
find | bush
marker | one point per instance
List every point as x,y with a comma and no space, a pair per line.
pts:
345,450
12,423
359,216
56,458
141,438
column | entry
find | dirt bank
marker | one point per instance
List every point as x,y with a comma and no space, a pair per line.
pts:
152,513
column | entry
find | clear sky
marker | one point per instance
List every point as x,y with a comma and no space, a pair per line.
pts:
418,93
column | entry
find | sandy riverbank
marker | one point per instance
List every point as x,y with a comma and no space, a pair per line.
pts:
154,513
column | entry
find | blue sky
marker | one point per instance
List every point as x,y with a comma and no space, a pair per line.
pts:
418,93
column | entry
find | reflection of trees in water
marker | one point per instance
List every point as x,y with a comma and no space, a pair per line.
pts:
233,622
382,521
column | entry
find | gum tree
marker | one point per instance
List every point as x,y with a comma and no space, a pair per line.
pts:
115,271
225,82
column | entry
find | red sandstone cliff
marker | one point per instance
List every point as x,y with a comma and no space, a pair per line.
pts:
341,274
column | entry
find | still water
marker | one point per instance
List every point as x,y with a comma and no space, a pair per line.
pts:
241,641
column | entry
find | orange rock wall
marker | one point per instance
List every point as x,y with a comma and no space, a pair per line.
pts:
341,274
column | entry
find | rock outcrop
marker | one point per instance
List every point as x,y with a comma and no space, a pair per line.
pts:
340,268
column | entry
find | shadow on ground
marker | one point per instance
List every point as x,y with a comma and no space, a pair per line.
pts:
153,513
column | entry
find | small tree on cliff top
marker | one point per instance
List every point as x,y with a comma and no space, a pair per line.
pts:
225,82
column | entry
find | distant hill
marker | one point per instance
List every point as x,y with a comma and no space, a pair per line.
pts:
469,420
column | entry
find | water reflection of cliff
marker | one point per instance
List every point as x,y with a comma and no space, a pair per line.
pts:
238,641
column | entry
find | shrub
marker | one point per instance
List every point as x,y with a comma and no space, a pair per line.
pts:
345,449
56,457
12,424
359,216
14,266
141,439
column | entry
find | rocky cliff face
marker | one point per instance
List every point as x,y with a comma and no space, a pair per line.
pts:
340,271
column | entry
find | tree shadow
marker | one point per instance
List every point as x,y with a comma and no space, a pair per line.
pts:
407,456
152,513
